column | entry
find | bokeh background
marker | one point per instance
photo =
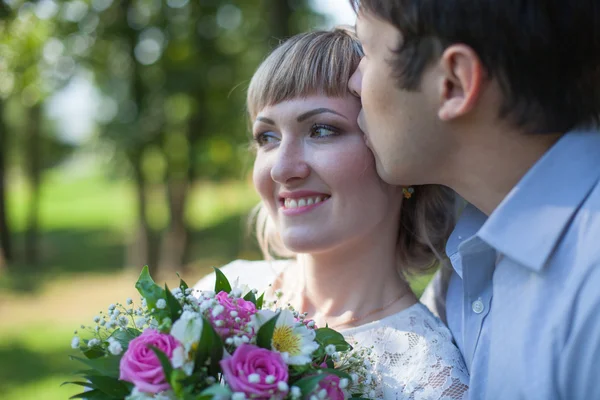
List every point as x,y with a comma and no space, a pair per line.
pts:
123,143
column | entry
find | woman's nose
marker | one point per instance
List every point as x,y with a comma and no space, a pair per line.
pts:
290,164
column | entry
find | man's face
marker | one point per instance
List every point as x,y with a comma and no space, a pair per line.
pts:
401,126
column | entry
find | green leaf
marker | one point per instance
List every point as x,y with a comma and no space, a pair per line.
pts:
308,384
148,289
94,352
221,282
107,366
124,336
177,382
210,350
182,285
264,336
259,302
327,336
84,384
164,362
173,305
110,386
250,297
338,373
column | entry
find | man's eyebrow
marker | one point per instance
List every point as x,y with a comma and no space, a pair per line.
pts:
316,111
265,120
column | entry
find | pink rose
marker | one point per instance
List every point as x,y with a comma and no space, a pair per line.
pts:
233,325
256,372
331,384
141,366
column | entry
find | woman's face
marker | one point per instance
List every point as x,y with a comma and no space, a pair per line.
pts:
316,176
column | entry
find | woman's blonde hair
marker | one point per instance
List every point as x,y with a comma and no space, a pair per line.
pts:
321,63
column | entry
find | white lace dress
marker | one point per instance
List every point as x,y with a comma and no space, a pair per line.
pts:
415,357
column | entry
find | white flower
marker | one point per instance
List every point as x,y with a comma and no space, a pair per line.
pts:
295,392
270,379
330,349
282,386
291,338
136,394
180,359
93,342
343,383
129,301
123,321
111,307
187,329
322,393
161,304
97,319
140,322
217,310
254,378
238,396
75,342
114,347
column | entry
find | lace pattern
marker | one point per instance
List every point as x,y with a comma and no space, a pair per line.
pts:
415,358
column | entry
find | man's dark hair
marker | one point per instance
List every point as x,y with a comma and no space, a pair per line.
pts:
545,54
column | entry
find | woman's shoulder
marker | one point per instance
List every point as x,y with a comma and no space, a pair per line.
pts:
254,274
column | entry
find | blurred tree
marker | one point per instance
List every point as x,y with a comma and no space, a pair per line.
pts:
5,232
35,66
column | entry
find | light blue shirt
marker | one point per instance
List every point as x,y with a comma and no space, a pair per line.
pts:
523,301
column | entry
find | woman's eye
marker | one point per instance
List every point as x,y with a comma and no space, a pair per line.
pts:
263,139
322,131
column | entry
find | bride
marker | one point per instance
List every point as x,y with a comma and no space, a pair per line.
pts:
338,242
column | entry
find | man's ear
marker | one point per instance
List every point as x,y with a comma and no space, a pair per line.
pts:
460,85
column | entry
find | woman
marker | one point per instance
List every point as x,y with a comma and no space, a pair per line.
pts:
348,239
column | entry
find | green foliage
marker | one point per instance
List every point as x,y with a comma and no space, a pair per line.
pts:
327,336
221,282
264,336
148,289
210,350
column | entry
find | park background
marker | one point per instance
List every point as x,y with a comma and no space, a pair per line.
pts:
123,142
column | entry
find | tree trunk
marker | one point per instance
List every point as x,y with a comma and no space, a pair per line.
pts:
142,250
33,160
5,235
175,242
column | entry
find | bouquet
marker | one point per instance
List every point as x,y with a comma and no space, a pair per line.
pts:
226,344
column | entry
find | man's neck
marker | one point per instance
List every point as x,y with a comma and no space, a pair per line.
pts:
488,166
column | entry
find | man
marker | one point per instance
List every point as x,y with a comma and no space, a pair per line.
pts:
500,101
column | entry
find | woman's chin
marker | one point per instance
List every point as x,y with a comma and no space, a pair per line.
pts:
306,245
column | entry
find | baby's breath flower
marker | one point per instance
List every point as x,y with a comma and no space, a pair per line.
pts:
330,349
161,304
270,379
238,396
343,383
129,301
282,386
254,378
75,342
114,347
111,307
217,310
97,319
322,393
93,342
123,321
295,392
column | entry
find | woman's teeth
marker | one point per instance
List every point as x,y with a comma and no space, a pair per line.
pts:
304,201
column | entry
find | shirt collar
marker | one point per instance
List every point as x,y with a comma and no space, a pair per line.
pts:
529,222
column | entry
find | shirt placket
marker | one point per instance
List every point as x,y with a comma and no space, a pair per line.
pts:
478,261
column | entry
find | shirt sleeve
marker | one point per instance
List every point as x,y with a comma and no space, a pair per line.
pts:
579,369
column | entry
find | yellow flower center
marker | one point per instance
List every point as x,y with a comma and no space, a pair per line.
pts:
285,341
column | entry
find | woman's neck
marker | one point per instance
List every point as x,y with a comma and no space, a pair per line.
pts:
350,285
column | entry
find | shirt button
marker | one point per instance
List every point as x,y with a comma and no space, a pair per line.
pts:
477,306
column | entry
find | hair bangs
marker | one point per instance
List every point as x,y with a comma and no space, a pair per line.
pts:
314,63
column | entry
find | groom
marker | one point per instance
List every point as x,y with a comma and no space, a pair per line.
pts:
500,101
